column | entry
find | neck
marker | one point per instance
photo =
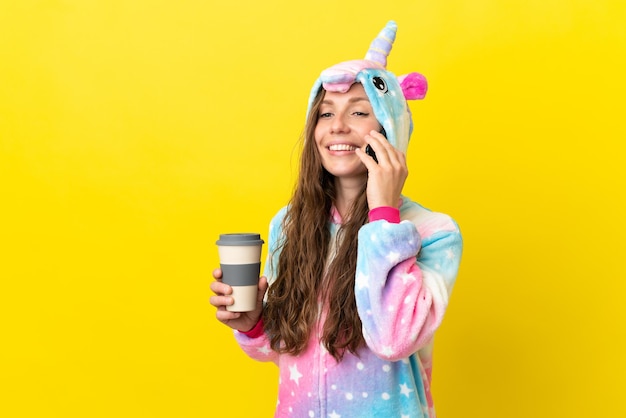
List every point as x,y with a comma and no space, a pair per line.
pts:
348,189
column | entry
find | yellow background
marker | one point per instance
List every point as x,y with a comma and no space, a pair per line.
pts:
133,132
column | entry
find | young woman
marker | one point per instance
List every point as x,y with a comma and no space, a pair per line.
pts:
358,276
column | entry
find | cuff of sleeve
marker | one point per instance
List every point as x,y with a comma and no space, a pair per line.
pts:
256,331
387,213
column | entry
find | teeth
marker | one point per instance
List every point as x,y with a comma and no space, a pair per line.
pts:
341,147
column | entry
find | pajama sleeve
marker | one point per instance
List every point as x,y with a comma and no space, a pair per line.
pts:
405,273
257,347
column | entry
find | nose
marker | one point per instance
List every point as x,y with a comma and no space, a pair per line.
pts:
339,124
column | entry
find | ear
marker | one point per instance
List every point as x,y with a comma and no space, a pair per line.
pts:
413,86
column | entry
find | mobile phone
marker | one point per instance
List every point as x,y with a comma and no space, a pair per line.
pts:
369,151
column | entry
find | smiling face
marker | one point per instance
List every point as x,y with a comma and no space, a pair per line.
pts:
343,121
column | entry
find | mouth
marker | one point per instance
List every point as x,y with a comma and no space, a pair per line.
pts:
341,147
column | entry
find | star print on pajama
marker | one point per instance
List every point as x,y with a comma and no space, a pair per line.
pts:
294,374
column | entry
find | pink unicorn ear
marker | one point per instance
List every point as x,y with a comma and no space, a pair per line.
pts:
414,86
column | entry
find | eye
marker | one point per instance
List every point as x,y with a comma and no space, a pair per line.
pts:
380,84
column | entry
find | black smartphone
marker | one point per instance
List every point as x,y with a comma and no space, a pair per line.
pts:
369,151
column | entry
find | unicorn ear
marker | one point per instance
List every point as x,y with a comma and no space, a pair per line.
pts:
414,86
381,46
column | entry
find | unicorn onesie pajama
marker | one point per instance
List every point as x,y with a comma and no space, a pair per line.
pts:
407,264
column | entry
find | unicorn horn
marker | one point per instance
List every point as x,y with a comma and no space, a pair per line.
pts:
381,46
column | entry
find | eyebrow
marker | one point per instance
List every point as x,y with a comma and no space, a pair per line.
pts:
352,100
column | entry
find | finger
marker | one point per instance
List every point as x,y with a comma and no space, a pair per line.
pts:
262,289
367,161
263,283
378,135
221,301
217,274
224,316
396,159
220,288
389,154
375,141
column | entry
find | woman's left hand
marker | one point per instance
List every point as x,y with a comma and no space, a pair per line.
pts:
385,178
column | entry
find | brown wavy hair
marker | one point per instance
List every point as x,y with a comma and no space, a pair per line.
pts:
303,276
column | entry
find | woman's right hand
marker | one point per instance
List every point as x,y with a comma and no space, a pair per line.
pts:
386,178
241,321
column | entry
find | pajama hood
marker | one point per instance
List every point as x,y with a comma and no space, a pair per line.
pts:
387,93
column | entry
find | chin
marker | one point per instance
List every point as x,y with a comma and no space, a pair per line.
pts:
346,172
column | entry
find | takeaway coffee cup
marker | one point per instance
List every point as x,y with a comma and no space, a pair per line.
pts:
240,261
